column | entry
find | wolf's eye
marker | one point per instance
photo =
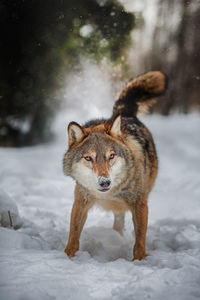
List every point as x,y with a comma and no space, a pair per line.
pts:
88,158
112,155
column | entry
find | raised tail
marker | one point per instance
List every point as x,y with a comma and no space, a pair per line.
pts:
140,94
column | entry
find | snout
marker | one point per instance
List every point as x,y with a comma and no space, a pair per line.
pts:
104,184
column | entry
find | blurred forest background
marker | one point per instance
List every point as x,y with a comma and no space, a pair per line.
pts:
43,42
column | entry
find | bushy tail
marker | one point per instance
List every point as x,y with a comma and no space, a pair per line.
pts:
140,93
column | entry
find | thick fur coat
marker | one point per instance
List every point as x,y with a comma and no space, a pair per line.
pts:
114,162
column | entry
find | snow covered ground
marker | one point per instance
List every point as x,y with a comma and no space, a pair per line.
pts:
39,198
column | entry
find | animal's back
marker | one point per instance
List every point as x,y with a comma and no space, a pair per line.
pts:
136,97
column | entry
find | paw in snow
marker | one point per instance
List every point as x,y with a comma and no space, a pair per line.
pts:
71,249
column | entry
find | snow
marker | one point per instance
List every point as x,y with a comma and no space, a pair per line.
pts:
33,188
32,262
9,215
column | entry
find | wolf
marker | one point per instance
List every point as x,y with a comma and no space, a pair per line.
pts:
114,162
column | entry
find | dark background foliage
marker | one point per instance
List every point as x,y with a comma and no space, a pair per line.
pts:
40,43
175,49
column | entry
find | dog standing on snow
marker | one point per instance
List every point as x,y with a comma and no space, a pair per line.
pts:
114,162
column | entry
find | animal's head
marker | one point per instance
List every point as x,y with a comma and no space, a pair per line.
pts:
97,158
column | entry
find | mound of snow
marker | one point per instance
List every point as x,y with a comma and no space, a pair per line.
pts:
9,214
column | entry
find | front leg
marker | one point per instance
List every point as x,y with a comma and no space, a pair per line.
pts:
140,220
78,217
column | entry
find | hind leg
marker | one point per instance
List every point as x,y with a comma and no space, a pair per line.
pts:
118,224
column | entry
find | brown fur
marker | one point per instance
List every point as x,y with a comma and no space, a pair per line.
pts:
123,147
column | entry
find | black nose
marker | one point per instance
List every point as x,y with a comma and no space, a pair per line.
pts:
104,182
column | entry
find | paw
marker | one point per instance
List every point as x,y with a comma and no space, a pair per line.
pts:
71,250
139,253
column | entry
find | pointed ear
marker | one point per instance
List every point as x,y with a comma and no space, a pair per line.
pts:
116,126
75,133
